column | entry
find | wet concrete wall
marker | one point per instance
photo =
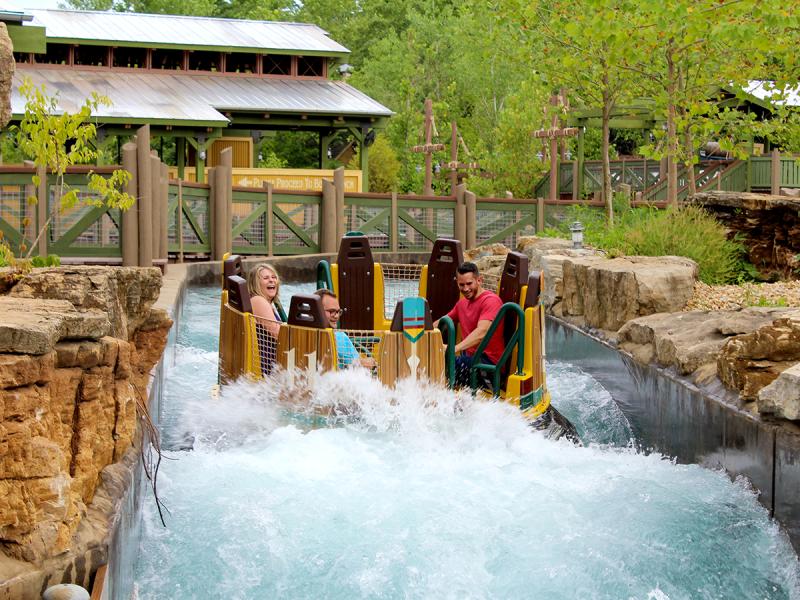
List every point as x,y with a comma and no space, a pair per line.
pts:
707,426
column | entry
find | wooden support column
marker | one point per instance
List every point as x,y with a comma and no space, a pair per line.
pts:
145,199
130,217
180,155
338,182
775,173
328,226
460,217
472,219
325,138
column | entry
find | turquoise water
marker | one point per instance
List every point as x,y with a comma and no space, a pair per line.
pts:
422,493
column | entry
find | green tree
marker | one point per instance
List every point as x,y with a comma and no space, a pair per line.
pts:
384,167
57,140
586,42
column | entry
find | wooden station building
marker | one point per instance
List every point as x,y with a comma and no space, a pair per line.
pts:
208,83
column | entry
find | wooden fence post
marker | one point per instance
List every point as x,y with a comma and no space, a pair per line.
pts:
338,182
394,225
213,197
226,182
145,189
539,215
270,218
130,217
179,224
221,220
472,219
164,220
775,173
575,180
42,210
460,217
155,186
328,225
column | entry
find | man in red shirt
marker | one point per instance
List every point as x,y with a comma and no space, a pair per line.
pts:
475,311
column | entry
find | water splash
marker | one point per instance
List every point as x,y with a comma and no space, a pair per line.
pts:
341,488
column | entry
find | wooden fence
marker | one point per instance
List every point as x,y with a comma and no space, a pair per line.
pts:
183,220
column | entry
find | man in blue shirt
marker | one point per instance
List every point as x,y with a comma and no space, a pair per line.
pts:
345,349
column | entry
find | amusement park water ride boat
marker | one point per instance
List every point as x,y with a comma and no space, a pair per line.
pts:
390,311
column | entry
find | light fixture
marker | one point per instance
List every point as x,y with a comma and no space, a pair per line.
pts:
202,155
576,229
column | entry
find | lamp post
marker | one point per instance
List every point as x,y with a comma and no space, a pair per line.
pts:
576,229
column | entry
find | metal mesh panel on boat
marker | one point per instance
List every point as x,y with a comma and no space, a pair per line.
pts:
364,341
399,281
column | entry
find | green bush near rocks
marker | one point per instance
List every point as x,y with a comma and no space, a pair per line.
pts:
688,231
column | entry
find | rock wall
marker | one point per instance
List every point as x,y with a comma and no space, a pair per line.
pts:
76,349
607,293
770,226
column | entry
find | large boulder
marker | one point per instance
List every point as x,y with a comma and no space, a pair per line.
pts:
536,247
782,396
751,361
690,341
123,294
606,293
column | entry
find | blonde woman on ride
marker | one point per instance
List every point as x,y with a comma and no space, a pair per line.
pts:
264,284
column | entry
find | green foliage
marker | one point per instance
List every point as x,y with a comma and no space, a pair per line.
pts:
384,167
689,231
270,160
51,260
57,141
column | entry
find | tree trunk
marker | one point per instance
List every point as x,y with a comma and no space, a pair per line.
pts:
608,195
689,141
672,135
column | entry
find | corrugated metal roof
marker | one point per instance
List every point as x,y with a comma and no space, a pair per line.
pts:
183,31
199,98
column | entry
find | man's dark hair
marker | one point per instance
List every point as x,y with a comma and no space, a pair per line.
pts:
468,267
322,292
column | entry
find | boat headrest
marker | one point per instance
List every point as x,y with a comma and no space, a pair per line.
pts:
354,248
238,295
231,266
515,275
306,310
397,319
356,282
534,289
441,286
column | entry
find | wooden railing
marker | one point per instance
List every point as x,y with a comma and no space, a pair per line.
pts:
190,219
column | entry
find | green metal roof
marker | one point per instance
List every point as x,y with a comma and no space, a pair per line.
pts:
197,100
173,31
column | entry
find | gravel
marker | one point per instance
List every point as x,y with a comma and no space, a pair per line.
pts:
734,297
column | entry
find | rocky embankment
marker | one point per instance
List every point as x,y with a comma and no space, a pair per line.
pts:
77,346
655,310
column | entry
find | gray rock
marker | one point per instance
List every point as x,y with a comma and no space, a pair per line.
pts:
782,396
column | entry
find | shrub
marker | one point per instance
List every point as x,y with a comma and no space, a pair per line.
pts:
689,231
